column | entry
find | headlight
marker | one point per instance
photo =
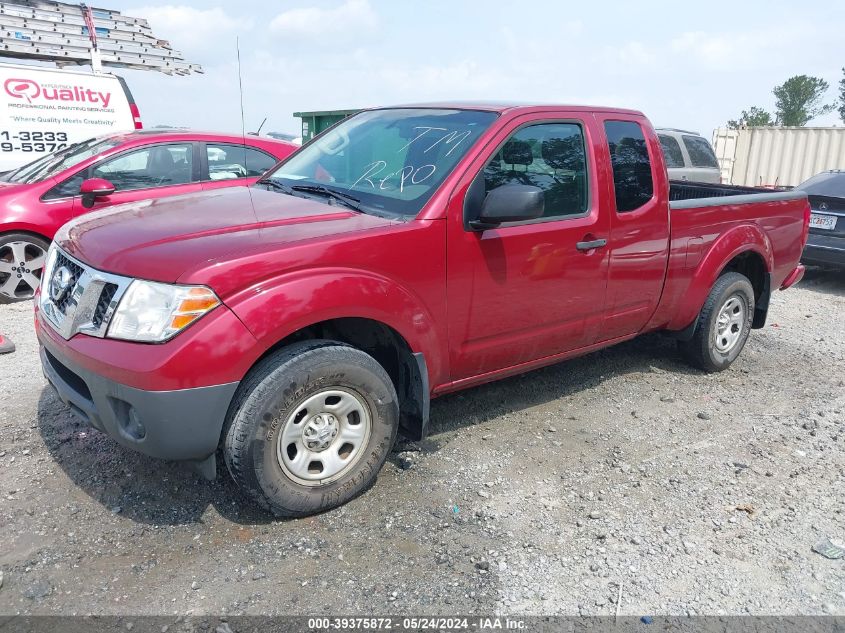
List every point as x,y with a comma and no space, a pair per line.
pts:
154,312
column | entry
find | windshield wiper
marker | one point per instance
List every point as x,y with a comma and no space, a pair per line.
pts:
350,201
344,198
280,186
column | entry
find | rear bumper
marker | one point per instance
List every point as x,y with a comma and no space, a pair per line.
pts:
793,278
824,250
183,424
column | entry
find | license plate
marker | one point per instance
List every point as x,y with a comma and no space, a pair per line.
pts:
819,221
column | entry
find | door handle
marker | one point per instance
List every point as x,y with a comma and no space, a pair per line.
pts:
588,246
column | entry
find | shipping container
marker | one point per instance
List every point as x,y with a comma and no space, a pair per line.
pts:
315,122
777,156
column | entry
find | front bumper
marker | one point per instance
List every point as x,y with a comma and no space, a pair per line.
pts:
182,424
824,250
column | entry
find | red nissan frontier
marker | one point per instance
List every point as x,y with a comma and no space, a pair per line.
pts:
299,324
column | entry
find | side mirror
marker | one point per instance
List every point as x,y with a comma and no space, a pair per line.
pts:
509,203
94,188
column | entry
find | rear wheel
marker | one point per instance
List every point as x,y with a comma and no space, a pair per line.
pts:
724,324
22,259
311,427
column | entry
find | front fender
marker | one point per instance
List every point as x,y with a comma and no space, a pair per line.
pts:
736,241
275,309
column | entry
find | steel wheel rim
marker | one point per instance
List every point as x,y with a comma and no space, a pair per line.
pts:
21,265
729,324
324,437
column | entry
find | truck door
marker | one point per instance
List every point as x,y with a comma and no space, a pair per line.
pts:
528,290
639,231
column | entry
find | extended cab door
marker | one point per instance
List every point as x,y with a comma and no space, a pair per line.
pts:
528,290
639,231
229,165
144,173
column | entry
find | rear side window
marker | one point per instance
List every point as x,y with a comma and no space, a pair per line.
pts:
671,151
700,152
226,162
632,181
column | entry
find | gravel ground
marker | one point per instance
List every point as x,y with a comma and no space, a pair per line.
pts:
698,494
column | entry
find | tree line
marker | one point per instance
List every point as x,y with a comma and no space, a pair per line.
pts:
798,100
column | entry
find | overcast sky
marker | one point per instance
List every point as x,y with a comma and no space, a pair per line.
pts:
685,64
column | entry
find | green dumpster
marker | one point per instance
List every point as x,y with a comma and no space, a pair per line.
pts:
315,122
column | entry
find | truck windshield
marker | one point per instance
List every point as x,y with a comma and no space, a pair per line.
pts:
390,160
58,161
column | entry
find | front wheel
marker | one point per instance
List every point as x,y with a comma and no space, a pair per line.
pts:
22,259
311,427
724,324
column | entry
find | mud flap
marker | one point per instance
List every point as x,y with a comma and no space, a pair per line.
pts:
206,468
761,307
687,333
416,404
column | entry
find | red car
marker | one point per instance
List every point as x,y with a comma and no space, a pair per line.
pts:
406,253
38,198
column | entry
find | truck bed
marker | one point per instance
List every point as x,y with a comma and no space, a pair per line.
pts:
686,190
702,215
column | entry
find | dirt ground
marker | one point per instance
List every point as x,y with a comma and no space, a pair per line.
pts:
698,494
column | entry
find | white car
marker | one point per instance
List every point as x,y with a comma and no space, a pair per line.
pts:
689,156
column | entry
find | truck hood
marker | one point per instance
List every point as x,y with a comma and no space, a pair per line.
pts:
162,239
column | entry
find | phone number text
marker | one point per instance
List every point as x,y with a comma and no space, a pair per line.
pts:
32,141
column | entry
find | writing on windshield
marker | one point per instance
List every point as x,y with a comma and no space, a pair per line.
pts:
393,159
412,174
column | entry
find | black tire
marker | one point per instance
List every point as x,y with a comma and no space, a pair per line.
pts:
34,244
266,403
702,350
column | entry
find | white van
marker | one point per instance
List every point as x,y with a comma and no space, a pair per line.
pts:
44,109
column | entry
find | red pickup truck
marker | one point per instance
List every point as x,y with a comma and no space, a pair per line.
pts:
405,253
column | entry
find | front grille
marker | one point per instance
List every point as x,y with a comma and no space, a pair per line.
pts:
86,307
76,270
109,290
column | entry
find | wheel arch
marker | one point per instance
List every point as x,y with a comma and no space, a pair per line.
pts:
751,265
358,307
407,369
24,230
745,249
